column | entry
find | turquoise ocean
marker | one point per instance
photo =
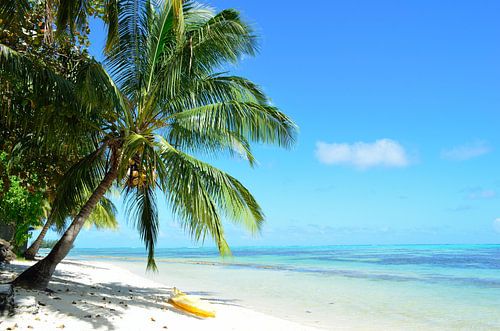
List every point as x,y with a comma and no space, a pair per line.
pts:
400,287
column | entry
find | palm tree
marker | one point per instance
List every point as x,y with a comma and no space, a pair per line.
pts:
102,217
173,106
58,63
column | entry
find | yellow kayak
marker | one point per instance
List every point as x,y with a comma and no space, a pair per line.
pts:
191,304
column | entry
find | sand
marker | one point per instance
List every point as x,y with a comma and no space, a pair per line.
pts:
90,295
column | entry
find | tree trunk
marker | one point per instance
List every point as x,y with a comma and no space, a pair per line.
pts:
31,252
39,275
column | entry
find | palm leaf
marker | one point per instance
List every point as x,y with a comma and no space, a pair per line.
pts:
13,11
103,216
141,207
199,193
255,122
82,178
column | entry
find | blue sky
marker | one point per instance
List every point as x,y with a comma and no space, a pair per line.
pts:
398,108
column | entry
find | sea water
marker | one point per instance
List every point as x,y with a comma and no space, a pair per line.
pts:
410,287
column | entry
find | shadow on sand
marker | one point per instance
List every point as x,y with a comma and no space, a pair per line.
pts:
98,303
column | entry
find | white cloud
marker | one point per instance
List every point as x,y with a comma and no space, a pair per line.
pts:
466,152
476,194
461,207
496,225
383,152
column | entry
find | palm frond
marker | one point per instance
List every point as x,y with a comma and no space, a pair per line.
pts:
199,194
209,142
160,36
69,107
103,216
97,90
223,39
82,178
179,27
13,11
141,208
211,41
72,14
40,81
112,13
254,121
217,88
128,58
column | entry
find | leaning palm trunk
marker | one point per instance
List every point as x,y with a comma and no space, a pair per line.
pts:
38,275
31,252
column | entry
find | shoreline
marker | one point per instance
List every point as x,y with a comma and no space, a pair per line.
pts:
91,295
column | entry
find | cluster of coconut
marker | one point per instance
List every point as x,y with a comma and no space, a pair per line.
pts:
136,176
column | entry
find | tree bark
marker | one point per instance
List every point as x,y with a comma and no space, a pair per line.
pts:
31,252
39,275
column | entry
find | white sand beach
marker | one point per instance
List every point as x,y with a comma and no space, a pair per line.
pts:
98,296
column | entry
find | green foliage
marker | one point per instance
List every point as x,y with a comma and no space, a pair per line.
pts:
39,108
48,90
170,104
71,17
103,216
21,206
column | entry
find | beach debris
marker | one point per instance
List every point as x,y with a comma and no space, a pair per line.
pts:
152,319
61,326
37,318
165,327
98,315
11,327
41,303
308,311
30,326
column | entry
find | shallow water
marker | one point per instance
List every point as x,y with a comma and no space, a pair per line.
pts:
414,287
